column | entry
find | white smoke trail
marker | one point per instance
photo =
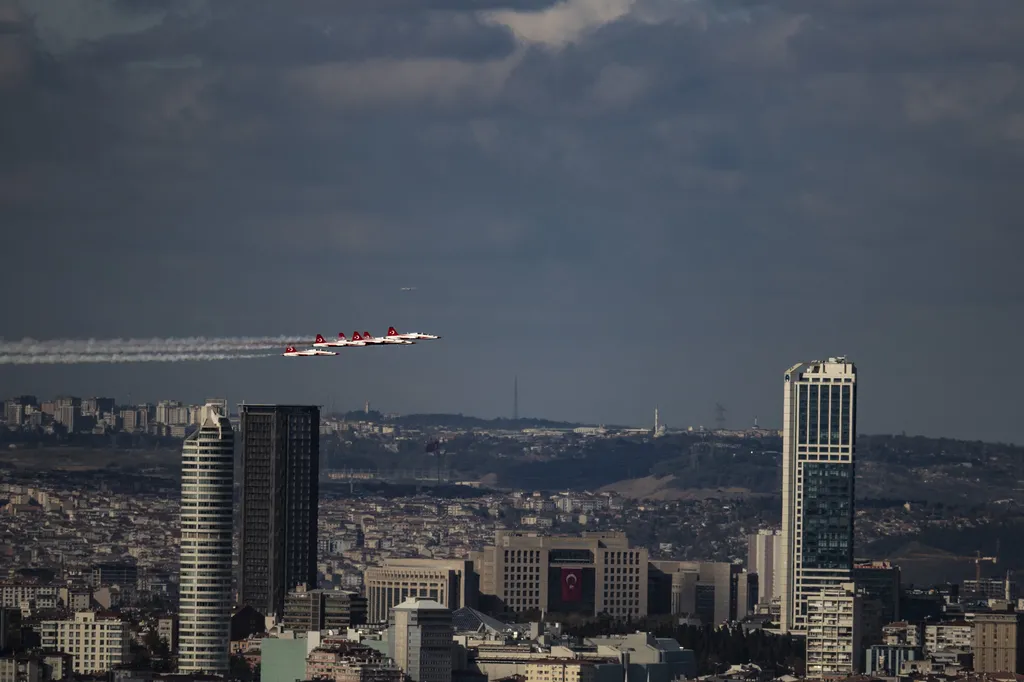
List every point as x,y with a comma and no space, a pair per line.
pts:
197,344
99,358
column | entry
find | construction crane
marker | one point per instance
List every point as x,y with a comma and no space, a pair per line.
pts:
977,559
977,567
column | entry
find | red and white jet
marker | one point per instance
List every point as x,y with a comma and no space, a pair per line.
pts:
321,342
393,334
290,352
383,340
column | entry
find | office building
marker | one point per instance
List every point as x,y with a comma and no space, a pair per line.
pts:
207,490
452,583
818,445
98,642
309,610
879,583
123,575
420,640
589,574
765,558
280,494
717,592
997,643
833,632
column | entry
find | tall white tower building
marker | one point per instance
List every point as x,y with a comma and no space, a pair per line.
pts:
204,611
818,446
764,557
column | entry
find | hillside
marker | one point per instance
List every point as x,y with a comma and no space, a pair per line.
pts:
680,466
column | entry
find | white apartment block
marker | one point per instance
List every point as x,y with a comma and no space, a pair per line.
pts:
944,636
833,633
14,596
818,446
765,558
97,642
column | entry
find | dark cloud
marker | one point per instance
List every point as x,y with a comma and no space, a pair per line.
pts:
627,203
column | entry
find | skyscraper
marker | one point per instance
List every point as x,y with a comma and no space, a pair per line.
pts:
207,483
818,445
280,492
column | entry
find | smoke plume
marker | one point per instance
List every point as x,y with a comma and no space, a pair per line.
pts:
198,344
107,358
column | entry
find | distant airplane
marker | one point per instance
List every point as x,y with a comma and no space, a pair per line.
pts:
340,343
393,334
366,340
384,340
290,352
408,289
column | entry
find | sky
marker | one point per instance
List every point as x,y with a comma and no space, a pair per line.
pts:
626,203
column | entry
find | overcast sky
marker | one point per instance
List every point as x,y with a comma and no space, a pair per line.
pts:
629,204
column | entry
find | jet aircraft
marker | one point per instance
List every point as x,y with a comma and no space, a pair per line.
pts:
290,352
341,342
409,336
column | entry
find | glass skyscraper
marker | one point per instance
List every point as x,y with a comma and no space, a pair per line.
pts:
818,452
280,497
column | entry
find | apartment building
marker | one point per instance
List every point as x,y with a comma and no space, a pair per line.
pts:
997,643
97,641
946,636
833,632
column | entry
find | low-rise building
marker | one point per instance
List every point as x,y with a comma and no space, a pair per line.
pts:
98,641
343,661
560,670
943,636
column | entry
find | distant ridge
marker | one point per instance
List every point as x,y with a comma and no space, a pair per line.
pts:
459,421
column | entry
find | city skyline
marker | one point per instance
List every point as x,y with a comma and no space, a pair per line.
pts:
625,207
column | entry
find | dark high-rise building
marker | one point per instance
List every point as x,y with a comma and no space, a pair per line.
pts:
879,583
306,610
280,492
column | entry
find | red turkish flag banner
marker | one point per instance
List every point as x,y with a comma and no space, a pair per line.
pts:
572,584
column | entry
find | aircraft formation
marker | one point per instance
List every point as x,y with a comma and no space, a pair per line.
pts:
322,346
